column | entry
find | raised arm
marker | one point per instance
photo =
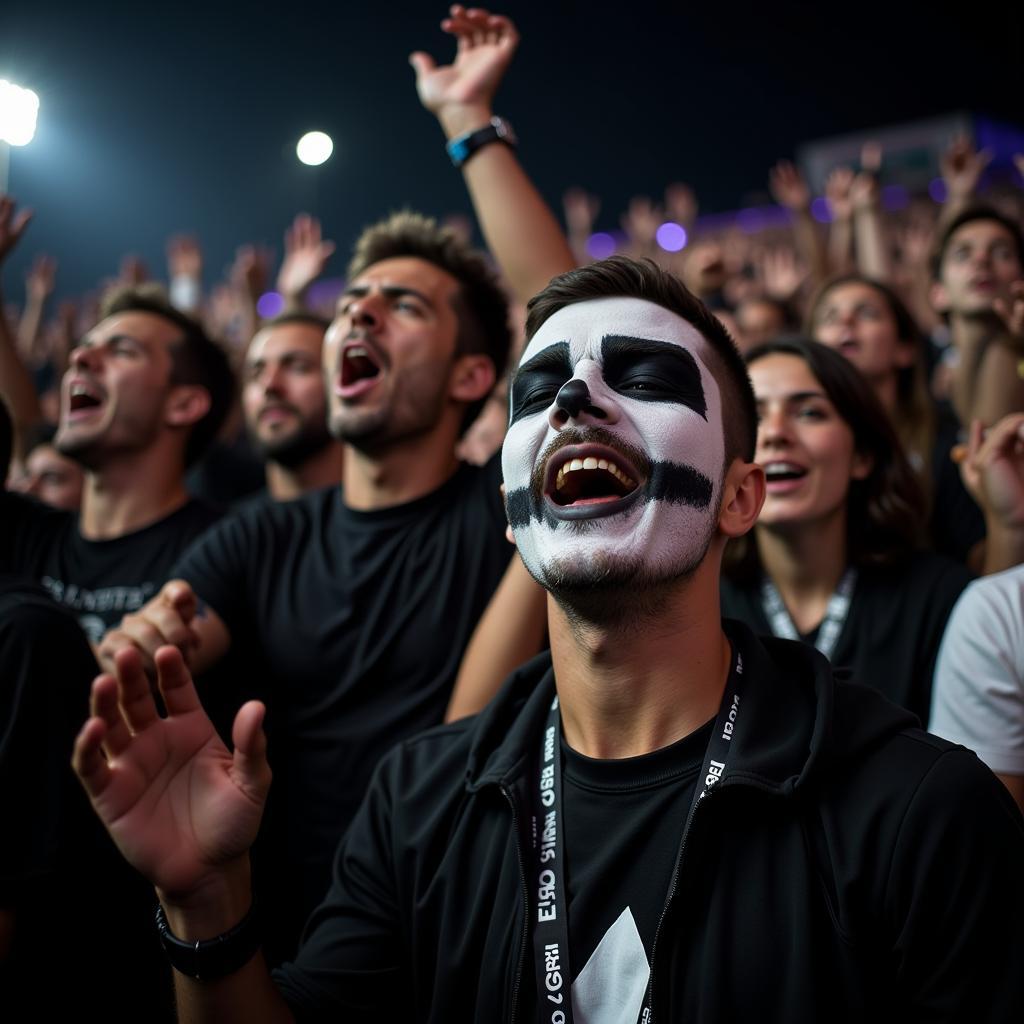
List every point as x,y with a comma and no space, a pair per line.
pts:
519,228
15,381
305,256
790,190
184,811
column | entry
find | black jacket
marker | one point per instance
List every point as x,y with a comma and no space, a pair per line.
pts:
848,867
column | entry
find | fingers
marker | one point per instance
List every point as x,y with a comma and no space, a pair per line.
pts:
134,695
249,767
104,706
180,596
476,26
88,760
175,682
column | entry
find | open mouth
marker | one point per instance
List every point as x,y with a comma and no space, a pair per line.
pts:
360,368
783,476
589,480
82,399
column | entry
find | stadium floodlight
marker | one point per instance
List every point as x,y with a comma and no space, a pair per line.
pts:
19,109
314,148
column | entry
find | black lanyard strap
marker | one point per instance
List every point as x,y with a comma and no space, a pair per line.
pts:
551,919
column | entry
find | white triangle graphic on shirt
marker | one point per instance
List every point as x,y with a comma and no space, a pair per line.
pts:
610,989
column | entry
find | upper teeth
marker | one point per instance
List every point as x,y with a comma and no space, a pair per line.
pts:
592,463
78,389
782,467
357,350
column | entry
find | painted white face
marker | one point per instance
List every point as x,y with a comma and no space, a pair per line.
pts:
614,455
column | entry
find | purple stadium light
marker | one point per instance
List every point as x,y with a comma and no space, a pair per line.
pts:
671,236
600,245
937,190
895,197
269,304
820,211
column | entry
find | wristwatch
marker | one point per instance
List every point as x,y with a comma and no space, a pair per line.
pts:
212,958
461,148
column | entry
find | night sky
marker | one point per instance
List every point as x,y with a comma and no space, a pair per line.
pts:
180,117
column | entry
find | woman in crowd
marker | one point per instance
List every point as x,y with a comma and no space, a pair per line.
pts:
834,559
865,321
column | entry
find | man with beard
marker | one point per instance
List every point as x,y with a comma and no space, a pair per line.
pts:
285,406
144,393
358,601
629,829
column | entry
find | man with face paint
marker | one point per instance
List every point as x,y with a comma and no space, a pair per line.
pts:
660,819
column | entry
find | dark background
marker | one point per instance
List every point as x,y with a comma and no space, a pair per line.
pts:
170,117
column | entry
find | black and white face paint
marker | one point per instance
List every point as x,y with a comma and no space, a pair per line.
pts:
614,455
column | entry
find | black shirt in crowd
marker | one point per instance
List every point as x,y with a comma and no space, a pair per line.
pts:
355,623
100,581
80,913
891,635
624,821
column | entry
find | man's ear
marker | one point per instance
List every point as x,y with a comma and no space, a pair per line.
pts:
509,535
861,465
186,404
472,378
742,497
938,297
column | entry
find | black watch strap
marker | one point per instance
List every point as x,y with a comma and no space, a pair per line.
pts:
460,149
212,958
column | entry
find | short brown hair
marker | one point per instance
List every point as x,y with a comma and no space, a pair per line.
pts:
622,277
480,304
195,359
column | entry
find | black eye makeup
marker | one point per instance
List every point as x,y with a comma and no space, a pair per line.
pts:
538,381
653,371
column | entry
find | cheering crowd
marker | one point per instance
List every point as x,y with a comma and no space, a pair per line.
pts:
237,549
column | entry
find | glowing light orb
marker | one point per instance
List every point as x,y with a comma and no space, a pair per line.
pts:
269,304
671,236
314,148
19,109
600,245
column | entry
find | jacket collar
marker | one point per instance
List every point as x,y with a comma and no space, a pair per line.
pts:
782,736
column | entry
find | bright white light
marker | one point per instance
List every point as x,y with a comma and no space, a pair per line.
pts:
18,110
314,148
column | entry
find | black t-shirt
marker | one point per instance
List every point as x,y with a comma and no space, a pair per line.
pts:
80,912
891,636
623,824
99,580
358,622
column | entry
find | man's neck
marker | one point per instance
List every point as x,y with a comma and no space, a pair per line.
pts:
127,495
806,565
886,389
322,469
398,474
630,689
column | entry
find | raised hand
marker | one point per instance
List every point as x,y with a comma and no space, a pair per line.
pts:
182,809
962,167
789,188
641,222
250,271
837,193
305,256
782,272
12,225
184,257
460,94
40,279
581,210
865,191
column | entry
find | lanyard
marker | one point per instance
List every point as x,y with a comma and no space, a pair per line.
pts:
551,920
831,625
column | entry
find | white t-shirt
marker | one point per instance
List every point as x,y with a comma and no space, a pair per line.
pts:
978,697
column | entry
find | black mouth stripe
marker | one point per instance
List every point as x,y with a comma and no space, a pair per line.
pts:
668,481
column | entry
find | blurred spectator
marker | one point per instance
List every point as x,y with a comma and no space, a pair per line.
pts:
49,476
834,559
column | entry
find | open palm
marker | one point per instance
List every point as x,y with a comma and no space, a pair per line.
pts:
485,47
178,804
